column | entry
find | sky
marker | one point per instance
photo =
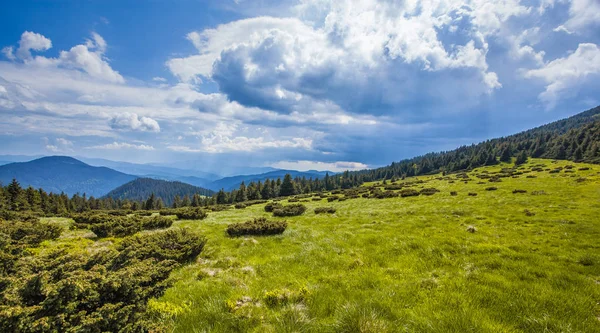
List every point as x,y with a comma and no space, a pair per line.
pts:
306,84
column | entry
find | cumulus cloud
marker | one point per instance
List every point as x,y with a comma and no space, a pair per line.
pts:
346,51
122,145
88,57
131,121
32,41
565,73
582,14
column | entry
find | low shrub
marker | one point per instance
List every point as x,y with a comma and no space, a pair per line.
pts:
472,194
271,206
118,226
156,222
453,193
293,200
191,213
429,191
491,188
333,198
519,191
325,210
259,226
240,205
528,212
167,212
583,169
255,202
219,208
317,199
409,193
290,210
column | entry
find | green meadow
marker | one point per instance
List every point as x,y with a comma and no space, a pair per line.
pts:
497,261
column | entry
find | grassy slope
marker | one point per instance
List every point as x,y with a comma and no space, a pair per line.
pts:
407,264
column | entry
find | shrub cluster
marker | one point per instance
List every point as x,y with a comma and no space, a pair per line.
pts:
105,225
271,206
258,226
105,292
429,191
519,191
409,192
325,210
491,188
156,222
290,210
240,205
191,213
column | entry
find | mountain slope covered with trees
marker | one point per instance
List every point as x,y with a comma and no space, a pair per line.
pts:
168,191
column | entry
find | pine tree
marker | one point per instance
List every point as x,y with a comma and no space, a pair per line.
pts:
150,202
287,186
521,158
505,155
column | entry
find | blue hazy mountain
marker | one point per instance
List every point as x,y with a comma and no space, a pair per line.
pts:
64,174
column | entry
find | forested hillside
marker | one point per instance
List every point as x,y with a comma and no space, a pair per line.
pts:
576,138
168,191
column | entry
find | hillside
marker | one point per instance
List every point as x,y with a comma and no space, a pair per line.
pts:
64,174
504,254
576,138
141,188
230,183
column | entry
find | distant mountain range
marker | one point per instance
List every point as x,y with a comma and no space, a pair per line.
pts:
69,175
64,174
142,188
230,183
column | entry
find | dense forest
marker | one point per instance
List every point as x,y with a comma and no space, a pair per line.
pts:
169,192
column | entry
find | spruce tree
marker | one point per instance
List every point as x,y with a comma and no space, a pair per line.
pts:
287,186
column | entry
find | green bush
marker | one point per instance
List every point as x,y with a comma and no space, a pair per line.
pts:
409,192
118,226
429,191
472,194
290,210
453,193
491,188
156,222
325,210
105,292
240,205
258,226
271,206
191,213
519,191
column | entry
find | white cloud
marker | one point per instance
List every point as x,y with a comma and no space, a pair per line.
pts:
159,79
8,52
131,121
564,74
582,13
59,145
88,57
122,145
32,41
320,166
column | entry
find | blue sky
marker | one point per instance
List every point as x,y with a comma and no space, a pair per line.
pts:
307,84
